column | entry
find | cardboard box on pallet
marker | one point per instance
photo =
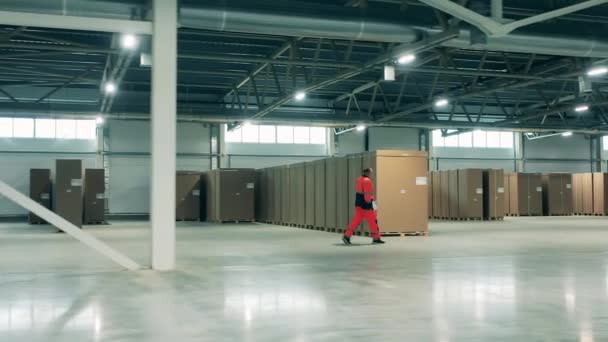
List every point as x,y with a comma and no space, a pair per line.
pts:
355,166
436,194
230,194
444,194
600,193
293,195
507,199
453,194
430,194
577,194
587,193
310,194
40,191
343,201
493,194
68,190
300,192
285,191
535,188
470,193
401,190
319,193
95,196
525,192
331,214
187,195
557,194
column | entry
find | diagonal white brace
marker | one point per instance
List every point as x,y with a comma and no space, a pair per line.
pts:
61,223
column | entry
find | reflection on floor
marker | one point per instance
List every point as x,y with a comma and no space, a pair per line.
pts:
524,279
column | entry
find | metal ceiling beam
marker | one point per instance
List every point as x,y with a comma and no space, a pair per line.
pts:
423,45
75,22
258,69
492,27
487,89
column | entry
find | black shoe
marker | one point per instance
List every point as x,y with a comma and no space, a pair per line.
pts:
346,240
378,241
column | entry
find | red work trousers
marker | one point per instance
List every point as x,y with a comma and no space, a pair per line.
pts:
360,215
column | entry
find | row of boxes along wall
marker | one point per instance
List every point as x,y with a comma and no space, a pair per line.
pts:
320,194
78,196
492,194
218,195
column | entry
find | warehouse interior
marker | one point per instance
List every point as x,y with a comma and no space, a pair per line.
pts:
186,169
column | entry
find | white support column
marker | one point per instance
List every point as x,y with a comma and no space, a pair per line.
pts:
164,108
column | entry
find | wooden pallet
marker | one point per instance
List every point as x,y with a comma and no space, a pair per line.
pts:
232,221
96,223
496,218
398,234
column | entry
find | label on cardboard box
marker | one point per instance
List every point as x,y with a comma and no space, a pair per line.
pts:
196,192
539,189
45,196
100,196
250,185
402,191
500,190
568,186
76,182
421,181
479,191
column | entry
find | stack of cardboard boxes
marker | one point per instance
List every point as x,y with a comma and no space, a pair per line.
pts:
467,194
323,191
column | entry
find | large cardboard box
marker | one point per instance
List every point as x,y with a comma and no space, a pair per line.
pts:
567,196
95,196
507,193
68,190
525,192
310,194
557,194
278,194
401,190
355,167
588,193
535,188
230,194
430,194
444,194
285,194
300,192
453,194
470,193
577,193
331,214
600,193
40,191
187,195
319,188
343,201
293,198
261,196
436,194
493,194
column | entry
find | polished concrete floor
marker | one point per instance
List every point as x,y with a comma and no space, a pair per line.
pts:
524,279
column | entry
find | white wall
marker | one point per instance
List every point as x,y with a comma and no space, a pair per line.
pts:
350,142
129,161
558,154
19,155
446,158
391,138
267,155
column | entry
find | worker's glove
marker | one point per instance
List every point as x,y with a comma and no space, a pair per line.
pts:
374,205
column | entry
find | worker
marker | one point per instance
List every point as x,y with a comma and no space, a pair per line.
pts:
365,208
